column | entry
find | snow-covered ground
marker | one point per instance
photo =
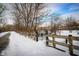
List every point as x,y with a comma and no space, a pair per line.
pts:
24,46
66,33
20,45
2,34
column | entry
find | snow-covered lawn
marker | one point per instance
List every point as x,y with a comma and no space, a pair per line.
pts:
62,40
25,46
20,45
66,33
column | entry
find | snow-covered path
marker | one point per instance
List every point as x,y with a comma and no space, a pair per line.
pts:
25,46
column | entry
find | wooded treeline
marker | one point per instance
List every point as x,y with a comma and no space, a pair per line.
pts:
28,17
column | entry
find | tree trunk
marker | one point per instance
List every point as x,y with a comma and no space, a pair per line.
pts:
36,35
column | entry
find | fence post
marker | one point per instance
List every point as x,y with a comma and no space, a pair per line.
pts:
47,41
53,42
66,41
70,45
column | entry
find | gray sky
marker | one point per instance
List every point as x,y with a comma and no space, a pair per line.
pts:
8,14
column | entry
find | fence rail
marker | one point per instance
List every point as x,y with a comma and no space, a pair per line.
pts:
65,37
68,42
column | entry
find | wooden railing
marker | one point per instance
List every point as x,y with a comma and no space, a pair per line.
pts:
68,42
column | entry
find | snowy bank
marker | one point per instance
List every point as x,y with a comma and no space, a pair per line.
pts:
3,33
25,46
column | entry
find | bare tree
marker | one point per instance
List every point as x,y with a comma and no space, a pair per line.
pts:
1,11
71,24
54,24
29,15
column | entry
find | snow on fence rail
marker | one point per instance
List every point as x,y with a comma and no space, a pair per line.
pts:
68,42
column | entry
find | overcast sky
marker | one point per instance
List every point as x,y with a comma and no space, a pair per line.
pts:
8,13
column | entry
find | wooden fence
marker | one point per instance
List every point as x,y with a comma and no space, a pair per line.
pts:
68,42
